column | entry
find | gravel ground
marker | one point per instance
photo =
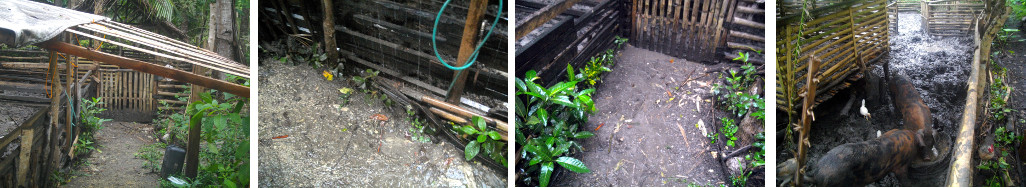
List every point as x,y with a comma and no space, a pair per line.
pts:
307,140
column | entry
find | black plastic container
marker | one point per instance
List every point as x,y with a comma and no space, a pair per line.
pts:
174,159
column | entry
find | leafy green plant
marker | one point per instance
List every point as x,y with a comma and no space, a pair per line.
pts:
547,122
224,145
363,82
90,124
152,155
733,97
728,129
998,91
596,66
487,139
1004,35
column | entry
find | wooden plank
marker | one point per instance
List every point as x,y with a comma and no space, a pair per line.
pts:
539,18
27,138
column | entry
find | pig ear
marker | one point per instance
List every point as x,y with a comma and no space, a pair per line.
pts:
919,137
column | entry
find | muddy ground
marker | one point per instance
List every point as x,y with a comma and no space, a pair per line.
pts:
307,140
12,116
115,165
937,66
643,106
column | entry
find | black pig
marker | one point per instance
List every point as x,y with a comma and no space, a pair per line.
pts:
862,163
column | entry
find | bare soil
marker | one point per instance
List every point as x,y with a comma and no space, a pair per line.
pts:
642,106
307,140
115,165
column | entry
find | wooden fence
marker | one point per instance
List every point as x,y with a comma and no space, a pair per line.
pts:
847,36
125,89
697,29
950,17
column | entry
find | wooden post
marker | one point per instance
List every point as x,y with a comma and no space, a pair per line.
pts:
24,159
806,115
470,31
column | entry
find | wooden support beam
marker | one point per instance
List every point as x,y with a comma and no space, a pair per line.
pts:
467,46
145,67
806,116
537,19
27,138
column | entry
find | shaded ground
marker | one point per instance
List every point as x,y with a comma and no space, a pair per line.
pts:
1012,56
937,66
116,165
332,146
640,143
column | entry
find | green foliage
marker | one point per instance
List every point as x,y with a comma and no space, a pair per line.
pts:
1018,8
593,69
757,157
418,130
998,91
547,122
364,81
1005,35
224,145
1006,138
733,95
482,138
728,129
152,154
90,124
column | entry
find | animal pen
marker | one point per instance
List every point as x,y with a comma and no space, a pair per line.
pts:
555,34
405,42
839,42
46,66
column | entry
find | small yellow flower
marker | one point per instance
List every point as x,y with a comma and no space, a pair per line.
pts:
328,75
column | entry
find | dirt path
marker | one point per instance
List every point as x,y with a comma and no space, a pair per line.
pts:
332,146
649,149
116,165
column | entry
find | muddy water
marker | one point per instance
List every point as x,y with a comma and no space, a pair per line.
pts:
937,66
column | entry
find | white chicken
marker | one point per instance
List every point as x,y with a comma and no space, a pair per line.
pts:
865,111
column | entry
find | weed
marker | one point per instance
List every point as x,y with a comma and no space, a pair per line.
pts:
728,129
488,140
547,131
152,154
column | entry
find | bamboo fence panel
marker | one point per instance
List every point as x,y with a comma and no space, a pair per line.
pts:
950,17
691,29
846,35
123,89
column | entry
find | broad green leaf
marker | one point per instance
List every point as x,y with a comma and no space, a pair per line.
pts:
494,135
573,164
481,138
471,150
535,88
559,88
583,135
479,122
546,173
530,76
521,87
565,101
543,115
468,130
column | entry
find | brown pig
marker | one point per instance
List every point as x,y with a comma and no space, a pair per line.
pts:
908,101
862,163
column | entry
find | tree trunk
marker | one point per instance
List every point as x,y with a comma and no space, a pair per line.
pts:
329,34
221,40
